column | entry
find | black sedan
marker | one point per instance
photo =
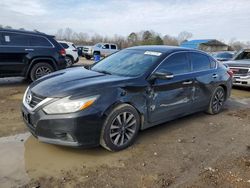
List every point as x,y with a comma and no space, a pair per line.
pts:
131,90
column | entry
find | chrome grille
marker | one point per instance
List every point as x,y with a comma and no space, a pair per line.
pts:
36,99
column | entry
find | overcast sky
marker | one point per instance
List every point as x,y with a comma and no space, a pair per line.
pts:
220,19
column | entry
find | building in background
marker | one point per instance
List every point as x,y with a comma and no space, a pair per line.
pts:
207,45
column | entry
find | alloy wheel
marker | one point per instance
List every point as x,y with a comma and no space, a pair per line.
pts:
69,62
123,128
42,71
218,100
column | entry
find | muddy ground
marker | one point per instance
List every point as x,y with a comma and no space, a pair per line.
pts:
195,151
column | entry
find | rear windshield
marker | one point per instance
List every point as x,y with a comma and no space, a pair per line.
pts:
64,45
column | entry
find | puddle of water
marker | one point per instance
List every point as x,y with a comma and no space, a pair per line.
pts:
24,160
12,164
46,159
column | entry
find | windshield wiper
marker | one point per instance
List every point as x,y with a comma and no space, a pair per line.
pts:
104,72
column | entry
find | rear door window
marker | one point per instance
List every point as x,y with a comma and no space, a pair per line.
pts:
177,64
200,62
39,41
106,46
213,63
1,39
15,39
113,47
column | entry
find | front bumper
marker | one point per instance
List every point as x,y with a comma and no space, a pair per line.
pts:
241,81
81,129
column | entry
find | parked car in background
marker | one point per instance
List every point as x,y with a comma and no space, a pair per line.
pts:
71,53
29,54
240,65
223,56
102,49
140,87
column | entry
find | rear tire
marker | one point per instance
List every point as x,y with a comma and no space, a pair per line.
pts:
39,70
217,101
88,57
120,128
69,61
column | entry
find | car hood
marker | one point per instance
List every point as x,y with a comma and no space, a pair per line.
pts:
74,81
238,63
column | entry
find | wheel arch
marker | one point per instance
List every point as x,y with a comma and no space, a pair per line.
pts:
225,89
96,51
41,60
70,56
118,103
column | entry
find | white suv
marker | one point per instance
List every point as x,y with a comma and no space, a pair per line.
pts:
71,52
102,49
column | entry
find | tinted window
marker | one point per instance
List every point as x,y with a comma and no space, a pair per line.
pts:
243,55
200,62
212,63
39,41
1,38
99,45
14,39
64,45
113,47
176,64
106,46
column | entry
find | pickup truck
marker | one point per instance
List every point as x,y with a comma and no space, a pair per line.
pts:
240,66
102,49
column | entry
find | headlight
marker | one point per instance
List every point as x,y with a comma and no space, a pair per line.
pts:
66,105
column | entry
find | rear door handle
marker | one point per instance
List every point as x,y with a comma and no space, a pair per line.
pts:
187,82
29,49
215,75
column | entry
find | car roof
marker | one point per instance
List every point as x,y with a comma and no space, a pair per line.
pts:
25,32
60,41
162,48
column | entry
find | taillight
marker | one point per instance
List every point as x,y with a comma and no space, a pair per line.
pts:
230,73
62,52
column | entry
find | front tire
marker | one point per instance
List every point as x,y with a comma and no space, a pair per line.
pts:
39,70
217,101
120,128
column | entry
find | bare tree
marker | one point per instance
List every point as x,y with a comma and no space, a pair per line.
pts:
169,40
184,36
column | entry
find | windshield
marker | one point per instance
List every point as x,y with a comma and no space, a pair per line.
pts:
224,55
127,63
242,55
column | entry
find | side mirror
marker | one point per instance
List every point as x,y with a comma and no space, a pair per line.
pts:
162,75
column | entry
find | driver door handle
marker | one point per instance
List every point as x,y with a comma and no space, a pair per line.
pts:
215,75
187,82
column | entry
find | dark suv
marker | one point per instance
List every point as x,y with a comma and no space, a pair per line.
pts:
29,54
